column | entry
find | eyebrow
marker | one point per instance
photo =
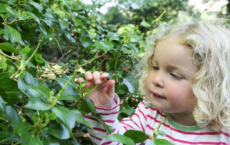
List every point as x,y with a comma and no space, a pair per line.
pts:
173,67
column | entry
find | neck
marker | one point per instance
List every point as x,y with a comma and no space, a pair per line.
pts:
183,119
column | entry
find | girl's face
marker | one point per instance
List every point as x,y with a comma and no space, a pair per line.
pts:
169,83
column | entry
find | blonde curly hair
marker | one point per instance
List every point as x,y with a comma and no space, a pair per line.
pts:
210,46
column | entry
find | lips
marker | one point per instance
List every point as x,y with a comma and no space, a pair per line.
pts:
156,95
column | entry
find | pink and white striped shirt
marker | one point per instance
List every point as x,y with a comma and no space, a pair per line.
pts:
146,119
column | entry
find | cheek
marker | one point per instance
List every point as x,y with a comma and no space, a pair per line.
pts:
148,81
179,92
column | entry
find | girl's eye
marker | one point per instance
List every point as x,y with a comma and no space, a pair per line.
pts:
176,76
155,68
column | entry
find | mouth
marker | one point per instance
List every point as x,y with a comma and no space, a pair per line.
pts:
156,95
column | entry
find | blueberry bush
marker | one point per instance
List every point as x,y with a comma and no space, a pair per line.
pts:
45,45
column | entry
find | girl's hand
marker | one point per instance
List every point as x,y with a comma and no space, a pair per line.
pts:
103,95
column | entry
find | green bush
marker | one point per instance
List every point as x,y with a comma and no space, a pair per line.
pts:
44,47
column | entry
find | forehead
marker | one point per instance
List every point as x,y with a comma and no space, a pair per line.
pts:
172,52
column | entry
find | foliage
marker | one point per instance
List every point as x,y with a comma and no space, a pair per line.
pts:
145,13
44,47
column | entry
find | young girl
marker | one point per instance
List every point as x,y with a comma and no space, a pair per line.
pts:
186,77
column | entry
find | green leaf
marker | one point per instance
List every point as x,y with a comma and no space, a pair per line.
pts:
2,104
43,90
23,128
68,95
3,8
136,136
125,108
30,139
113,36
22,85
148,105
37,104
120,138
36,5
86,42
29,79
12,34
31,15
49,140
131,47
105,46
121,89
13,116
4,64
12,11
39,59
63,24
108,128
145,24
53,116
159,132
22,16
83,107
129,84
162,142
8,89
8,47
65,115
63,81
91,105
80,119
58,131
26,50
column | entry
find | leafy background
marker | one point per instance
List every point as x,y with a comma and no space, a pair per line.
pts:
45,45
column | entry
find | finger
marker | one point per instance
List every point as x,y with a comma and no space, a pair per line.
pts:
104,75
79,80
88,76
111,89
96,77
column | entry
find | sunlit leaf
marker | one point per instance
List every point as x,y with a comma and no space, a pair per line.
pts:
120,138
59,131
8,47
36,5
4,64
65,115
12,34
136,136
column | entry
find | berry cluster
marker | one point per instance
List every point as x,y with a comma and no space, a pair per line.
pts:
71,70
103,36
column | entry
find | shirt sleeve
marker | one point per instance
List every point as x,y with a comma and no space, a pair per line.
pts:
109,116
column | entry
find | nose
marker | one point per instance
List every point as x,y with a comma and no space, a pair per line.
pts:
158,79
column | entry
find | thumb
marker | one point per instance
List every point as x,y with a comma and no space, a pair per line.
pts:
111,89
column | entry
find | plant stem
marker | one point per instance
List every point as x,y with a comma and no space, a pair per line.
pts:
93,89
32,54
7,55
72,76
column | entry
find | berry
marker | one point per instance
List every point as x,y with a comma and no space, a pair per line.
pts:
107,78
68,73
73,65
101,37
106,32
71,70
75,54
38,32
